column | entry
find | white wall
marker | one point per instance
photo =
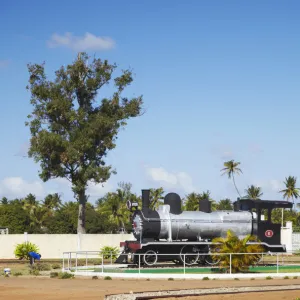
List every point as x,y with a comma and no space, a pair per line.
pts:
286,236
53,245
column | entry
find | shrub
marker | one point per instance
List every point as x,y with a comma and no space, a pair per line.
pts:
18,274
21,250
205,278
34,272
236,279
42,267
269,278
107,278
109,252
95,277
170,279
56,266
295,277
286,277
53,274
252,278
65,275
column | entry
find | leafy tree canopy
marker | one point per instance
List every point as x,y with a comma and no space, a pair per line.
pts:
71,129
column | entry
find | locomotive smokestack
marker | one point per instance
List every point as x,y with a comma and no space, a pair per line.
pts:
145,199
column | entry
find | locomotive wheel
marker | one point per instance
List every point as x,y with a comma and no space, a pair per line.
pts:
210,261
150,258
192,256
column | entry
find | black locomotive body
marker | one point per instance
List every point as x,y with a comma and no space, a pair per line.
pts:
170,234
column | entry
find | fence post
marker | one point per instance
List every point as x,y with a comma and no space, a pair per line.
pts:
102,264
230,263
139,263
110,257
183,263
86,265
277,264
63,261
76,262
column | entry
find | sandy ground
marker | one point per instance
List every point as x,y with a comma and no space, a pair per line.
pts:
14,288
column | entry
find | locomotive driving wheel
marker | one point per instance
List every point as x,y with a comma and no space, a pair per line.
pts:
150,258
189,255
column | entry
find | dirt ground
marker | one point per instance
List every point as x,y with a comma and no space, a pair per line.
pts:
285,295
17,288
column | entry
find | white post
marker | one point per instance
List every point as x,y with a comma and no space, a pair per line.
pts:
139,263
86,261
102,265
230,263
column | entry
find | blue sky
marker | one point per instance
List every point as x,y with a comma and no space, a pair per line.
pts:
220,80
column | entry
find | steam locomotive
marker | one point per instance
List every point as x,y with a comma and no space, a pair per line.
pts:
174,233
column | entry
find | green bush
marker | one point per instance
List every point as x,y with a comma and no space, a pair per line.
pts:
170,279
269,278
21,250
286,277
107,278
42,267
95,277
109,252
205,278
65,275
18,274
295,277
53,274
34,272
56,266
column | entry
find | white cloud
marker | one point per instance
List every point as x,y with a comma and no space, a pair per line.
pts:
13,187
81,43
4,63
179,179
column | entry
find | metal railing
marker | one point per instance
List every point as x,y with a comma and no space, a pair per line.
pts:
99,262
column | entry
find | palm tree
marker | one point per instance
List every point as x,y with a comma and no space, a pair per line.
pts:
225,204
253,192
30,203
290,191
232,244
192,201
155,196
231,168
52,201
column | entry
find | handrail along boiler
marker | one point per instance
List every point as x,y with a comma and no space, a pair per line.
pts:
169,230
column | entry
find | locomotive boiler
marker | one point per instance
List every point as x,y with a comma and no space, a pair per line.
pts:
169,233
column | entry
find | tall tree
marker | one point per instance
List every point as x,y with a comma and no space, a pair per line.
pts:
253,192
4,201
290,191
71,129
231,168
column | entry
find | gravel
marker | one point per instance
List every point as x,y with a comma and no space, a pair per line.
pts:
196,292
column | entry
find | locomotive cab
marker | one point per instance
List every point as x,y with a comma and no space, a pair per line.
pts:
263,227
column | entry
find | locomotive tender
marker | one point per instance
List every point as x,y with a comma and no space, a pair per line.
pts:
173,232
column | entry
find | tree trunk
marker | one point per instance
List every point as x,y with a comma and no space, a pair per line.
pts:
81,212
235,186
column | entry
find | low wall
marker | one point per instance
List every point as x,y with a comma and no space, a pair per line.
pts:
53,245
